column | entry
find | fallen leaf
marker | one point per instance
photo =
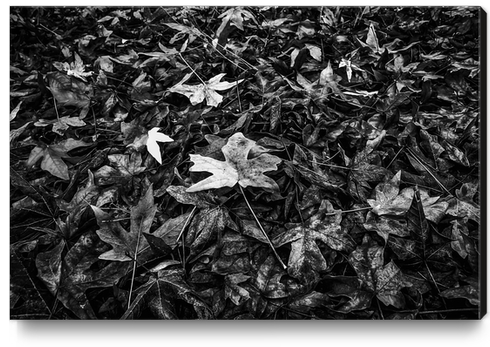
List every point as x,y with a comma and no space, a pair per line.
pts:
161,294
68,91
385,281
389,199
49,267
77,274
26,301
127,246
197,93
237,168
52,156
152,143
459,235
306,260
75,69
14,112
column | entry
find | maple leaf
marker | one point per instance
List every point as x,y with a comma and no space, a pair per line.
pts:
52,155
68,91
234,16
236,168
127,245
384,281
152,143
389,199
75,69
68,278
126,167
328,79
197,93
306,258
160,295
62,124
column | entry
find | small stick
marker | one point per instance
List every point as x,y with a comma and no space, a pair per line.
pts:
181,234
348,211
193,71
134,263
56,109
262,229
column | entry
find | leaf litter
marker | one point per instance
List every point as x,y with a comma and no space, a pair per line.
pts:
221,163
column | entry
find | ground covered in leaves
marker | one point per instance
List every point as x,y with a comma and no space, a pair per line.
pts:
244,163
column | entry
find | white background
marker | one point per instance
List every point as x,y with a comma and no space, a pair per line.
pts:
229,333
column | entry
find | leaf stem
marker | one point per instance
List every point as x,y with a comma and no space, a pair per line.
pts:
262,229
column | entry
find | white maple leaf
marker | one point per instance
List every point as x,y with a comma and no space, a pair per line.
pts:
197,93
237,168
152,143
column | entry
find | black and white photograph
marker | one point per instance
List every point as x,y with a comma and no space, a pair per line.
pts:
247,163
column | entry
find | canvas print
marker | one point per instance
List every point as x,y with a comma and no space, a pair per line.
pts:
253,163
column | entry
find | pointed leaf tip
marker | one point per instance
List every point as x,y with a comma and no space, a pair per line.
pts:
152,143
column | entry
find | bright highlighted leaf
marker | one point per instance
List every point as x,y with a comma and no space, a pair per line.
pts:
152,143
237,168
197,93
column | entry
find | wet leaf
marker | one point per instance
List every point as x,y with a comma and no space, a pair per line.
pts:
384,280
68,91
52,157
49,267
389,199
459,235
469,292
26,301
75,69
160,295
306,259
77,275
127,246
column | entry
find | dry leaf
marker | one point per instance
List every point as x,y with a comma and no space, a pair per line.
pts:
197,93
236,168
152,143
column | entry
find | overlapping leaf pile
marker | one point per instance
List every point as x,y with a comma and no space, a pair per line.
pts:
166,161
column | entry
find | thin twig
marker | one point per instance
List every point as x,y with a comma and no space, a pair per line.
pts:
349,211
193,71
56,109
336,166
428,171
181,234
262,229
238,96
135,262
394,158
450,310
